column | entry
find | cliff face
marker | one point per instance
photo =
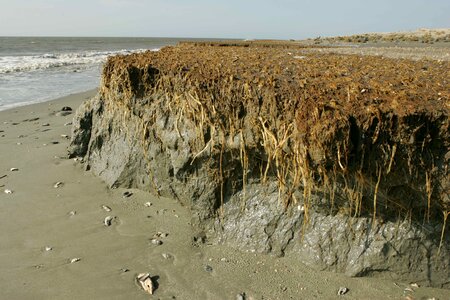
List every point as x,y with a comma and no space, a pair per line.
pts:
339,160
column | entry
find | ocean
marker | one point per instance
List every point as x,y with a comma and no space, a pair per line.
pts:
37,69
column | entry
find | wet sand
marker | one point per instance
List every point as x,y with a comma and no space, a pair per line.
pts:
36,216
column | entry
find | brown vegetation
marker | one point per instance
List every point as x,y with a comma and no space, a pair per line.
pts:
370,134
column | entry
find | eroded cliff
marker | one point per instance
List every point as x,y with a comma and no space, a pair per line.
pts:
341,160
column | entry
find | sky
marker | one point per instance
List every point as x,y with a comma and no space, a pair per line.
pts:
274,19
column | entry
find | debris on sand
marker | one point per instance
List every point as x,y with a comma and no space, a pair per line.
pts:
240,296
208,268
58,184
342,291
146,282
127,194
167,255
156,242
108,220
160,234
106,208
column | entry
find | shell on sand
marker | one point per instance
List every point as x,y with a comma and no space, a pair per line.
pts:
156,242
7,191
58,184
146,282
342,291
106,208
108,220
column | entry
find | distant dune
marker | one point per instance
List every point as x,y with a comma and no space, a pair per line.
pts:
422,35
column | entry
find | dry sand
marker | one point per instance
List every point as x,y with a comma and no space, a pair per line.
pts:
37,215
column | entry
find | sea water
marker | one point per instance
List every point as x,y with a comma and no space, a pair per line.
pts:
37,69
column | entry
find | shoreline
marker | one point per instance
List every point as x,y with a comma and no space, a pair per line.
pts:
40,235
86,93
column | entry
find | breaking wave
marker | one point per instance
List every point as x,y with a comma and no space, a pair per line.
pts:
17,64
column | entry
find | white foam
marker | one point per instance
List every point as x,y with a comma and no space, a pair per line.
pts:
16,64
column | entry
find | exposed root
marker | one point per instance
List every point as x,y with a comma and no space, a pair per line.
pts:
244,164
281,110
207,146
394,148
446,213
429,191
375,193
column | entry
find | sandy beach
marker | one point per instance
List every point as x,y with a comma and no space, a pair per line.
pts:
54,244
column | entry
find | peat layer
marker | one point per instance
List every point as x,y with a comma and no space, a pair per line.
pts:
341,160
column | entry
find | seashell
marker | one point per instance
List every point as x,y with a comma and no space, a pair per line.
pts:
148,204
48,248
127,194
106,208
74,260
8,191
46,124
13,169
240,296
58,184
156,242
342,291
160,234
167,256
414,285
64,136
208,268
108,220
146,282
124,270
72,213
68,124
